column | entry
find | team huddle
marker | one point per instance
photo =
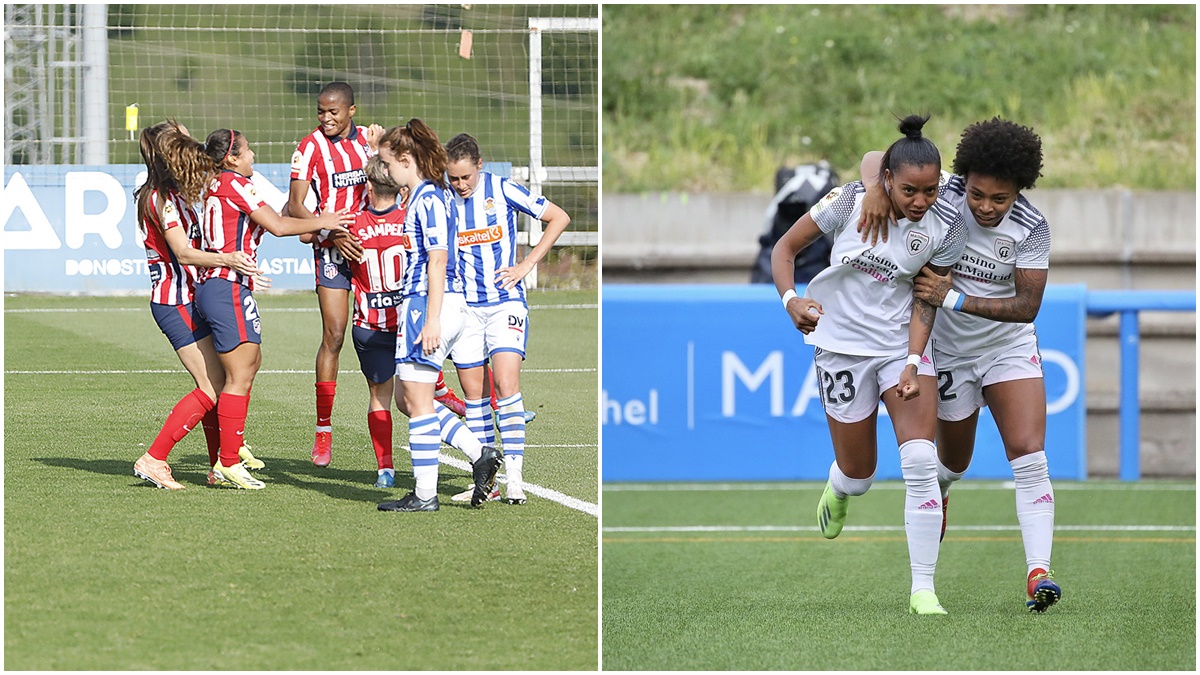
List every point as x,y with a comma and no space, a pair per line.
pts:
967,243
421,239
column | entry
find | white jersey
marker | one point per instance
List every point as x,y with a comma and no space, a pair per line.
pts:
429,226
867,291
487,236
1020,240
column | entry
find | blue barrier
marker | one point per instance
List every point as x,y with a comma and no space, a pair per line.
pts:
1128,304
73,229
714,383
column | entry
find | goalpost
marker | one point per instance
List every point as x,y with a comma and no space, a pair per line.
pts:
523,79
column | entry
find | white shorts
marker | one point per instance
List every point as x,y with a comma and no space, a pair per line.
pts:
412,363
851,386
961,379
491,329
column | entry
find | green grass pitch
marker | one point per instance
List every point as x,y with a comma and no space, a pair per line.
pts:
737,577
103,572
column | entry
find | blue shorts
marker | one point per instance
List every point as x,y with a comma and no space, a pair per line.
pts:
230,311
376,353
332,269
180,324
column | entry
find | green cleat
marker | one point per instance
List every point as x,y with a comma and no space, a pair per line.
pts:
238,475
924,602
831,512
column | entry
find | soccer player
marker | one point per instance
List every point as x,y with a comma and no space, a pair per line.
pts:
497,322
985,347
235,218
331,162
433,312
871,340
170,224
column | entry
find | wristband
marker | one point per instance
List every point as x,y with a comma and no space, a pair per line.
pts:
913,360
954,300
788,295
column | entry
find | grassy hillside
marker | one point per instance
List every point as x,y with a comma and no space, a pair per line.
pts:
705,98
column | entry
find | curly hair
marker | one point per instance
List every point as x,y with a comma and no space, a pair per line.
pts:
1000,149
158,175
191,167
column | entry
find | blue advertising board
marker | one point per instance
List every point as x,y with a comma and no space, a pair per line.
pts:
711,383
73,229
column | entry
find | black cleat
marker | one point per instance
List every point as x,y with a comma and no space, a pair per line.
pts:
484,472
410,502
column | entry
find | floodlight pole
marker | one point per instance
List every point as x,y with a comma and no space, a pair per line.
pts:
94,73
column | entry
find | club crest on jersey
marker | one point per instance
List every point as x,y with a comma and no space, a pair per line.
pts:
480,236
915,242
330,270
1005,249
489,206
826,201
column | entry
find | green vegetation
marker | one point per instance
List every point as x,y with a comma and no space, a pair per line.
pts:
759,589
716,98
104,572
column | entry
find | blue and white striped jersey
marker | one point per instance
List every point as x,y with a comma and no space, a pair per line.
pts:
487,236
429,226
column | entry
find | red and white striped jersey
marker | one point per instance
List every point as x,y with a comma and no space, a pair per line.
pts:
334,168
171,282
378,280
227,225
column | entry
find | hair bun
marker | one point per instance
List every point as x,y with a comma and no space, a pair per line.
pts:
911,126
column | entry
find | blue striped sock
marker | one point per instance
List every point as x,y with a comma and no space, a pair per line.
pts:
456,433
479,421
424,442
512,424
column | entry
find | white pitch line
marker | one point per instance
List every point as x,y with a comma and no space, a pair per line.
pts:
545,493
900,528
892,485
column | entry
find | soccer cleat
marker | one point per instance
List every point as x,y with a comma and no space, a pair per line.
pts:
238,475
386,479
453,402
410,502
530,416
831,512
484,472
156,471
216,480
924,602
249,460
465,495
322,452
514,496
1043,591
945,502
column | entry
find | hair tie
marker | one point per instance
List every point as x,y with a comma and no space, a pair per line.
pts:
229,149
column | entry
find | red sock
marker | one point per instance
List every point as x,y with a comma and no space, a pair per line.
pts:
491,385
231,411
212,435
440,389
183,418
325,391
379,423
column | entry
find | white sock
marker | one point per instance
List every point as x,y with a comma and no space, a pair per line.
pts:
946,478
513,465
424,442
845,486
922,510
456,434
479,421
1035,508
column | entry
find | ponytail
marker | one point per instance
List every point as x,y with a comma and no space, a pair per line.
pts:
420,142
158,176
914,149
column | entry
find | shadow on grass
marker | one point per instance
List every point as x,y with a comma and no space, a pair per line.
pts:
345,484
